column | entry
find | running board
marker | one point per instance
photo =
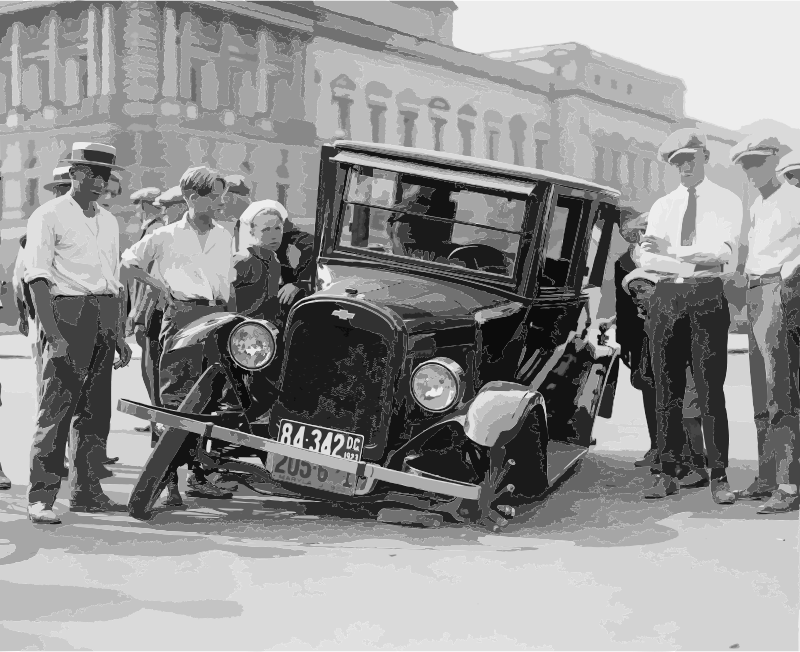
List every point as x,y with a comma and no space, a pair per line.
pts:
561,457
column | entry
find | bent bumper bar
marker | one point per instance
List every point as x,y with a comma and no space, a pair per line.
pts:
364,469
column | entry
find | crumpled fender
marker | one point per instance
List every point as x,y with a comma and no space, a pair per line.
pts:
199,331
497,411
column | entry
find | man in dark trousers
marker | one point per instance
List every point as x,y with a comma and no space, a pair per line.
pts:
72,267
773,258
691,233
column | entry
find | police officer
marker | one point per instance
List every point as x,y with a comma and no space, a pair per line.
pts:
691,233
772,272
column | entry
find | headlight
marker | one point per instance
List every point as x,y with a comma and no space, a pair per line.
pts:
252,344
436,384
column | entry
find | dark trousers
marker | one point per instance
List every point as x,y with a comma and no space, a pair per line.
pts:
774,362
178,373
74,397
688,326
151,355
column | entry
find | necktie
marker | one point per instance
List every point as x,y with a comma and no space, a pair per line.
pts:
689,219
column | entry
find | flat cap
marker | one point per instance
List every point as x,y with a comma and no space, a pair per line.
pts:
170,197
639,274
681,141
789,163
758,145
237,185
145,195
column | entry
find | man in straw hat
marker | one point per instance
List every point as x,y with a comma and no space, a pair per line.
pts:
72,266
691,234
771,268
191,264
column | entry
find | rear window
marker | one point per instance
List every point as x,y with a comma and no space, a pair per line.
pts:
400,215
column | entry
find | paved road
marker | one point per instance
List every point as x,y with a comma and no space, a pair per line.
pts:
592,567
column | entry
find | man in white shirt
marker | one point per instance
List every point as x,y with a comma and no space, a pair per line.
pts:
72,269
191,263
691,233
771,268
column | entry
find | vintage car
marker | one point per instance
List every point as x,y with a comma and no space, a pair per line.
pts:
441,369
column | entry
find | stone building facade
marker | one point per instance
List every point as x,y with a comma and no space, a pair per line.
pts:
254,88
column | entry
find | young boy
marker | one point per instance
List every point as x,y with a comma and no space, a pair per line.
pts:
258,272
641,285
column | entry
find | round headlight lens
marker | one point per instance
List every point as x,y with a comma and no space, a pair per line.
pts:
253,344
436,384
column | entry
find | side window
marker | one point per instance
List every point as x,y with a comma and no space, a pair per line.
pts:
560,249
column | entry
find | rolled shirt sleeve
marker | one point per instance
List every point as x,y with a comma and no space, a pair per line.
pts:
142,253
40,248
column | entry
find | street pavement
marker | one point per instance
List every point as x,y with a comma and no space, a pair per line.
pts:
590,567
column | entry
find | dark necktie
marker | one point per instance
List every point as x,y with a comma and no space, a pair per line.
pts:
689,225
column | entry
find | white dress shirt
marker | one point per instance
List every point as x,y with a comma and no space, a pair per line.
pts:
774,231
719,223
75,254
189,269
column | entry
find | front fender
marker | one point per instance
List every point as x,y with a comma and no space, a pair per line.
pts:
493,417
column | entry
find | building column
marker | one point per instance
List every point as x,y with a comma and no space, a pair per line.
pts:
52,57
108,52
93,63
169,87
262,81
16,68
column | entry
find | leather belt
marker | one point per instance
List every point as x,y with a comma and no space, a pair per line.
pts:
763,279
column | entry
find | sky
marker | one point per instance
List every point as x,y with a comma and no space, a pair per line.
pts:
740,61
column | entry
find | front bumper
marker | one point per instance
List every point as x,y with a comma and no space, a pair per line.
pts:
207,429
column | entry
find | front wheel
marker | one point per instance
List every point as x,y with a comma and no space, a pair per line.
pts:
166,454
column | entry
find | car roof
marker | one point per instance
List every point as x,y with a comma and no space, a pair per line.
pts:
473,164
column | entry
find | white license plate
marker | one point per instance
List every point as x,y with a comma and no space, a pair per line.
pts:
288,469
345,445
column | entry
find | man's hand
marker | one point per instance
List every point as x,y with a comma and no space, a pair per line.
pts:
654,245
125,353
22,325
139,334
58,346
287,293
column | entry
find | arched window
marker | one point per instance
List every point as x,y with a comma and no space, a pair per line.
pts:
517,128
342,96
466,128
438,105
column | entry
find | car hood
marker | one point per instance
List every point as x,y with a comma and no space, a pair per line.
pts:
421,303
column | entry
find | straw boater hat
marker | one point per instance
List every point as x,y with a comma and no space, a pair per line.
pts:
60,178
97,154
146,196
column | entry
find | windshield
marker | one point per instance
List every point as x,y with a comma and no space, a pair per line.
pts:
404,216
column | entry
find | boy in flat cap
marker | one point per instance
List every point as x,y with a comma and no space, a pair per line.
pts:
72,267
771,268
691,233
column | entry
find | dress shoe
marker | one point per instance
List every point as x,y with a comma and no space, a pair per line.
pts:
648,459
42,514
142,428
664,486
781,501
173,498
721,492
695,479
111,460
758,490
96,504
5,483
205,489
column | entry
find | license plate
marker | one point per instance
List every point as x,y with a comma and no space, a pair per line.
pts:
287,469
335,443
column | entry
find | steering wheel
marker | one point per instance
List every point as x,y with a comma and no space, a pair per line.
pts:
480,256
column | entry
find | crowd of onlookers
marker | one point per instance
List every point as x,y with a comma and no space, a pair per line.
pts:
79,297
673,319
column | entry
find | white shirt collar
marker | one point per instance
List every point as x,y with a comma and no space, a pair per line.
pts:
698,188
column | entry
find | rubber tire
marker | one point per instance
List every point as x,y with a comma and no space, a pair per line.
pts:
529,475
165,454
